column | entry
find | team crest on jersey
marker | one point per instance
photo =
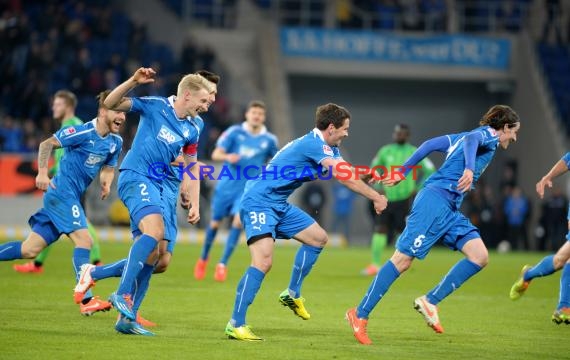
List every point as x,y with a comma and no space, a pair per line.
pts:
93,160
167,136
247,152
327,150
113,148
264,145
186,132
69,131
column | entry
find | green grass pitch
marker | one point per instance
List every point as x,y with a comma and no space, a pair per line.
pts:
38,319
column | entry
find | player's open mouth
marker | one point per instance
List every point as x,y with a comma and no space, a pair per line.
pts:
117,123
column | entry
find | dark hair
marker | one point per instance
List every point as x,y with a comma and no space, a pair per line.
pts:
210,76
400,127
256,103
498,116
68,97
330,114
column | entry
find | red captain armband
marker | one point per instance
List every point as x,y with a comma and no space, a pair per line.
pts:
190,150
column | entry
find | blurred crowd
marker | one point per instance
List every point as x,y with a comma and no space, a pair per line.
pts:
84,47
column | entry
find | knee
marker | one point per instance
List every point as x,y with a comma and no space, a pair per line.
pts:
30,252
264,264
321,239
481,258
214,225
559,260
162,264
401,262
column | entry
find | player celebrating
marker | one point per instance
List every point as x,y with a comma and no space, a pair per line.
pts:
267,215
550,263
240,146
63,108
167,126
91,148
393,220
89,274
435,214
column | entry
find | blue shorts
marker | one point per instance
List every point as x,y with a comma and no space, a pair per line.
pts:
140,194
568,217
434,216
58,216
169,200
282,221
224,204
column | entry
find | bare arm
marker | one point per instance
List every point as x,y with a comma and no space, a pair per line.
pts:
356,184
44,152
558,169
106,178
116,99
220,154
190,189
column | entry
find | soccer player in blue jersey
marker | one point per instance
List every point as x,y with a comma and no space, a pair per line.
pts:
90,149
171,179
435,214
266,214
551,263
240,146
167,126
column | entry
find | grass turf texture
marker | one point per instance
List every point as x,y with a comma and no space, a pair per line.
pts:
38,318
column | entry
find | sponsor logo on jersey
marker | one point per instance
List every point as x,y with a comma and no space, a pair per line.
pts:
167,136
327,150
247,152
69,131
93,160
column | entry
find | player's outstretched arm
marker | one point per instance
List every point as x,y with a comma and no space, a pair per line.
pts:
558,169
106,178
354,183
44,152
116,99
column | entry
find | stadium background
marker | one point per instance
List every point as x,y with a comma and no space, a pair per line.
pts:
436,65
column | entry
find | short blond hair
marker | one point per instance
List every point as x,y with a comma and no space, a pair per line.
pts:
194,82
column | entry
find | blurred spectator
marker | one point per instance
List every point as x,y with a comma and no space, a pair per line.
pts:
509,15
411,17
554,220
11,135
387,13
435,13
516,208
553,21
480,209
342,208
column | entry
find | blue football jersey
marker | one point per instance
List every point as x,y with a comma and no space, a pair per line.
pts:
86,152
254,150
161,135
450,172
296,163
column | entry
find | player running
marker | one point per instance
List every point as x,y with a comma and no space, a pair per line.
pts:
245,145
393,220
92,148
63,108
266,214
435,214
167,126
551,263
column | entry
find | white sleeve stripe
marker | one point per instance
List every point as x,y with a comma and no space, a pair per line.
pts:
78,133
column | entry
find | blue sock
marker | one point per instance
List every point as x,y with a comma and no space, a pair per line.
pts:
457,275
564,300
140,251
543,268
208,241
246,291
304,261
231,243
11,250
111,270
380,285
141,286
80,257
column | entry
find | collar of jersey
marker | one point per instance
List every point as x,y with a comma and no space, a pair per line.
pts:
319,133
171,99
94,121
246,129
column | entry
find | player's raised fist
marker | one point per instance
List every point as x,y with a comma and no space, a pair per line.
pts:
144,75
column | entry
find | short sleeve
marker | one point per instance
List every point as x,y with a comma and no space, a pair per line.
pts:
226,140
72,135
113,158
142,104
566,159
318,151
